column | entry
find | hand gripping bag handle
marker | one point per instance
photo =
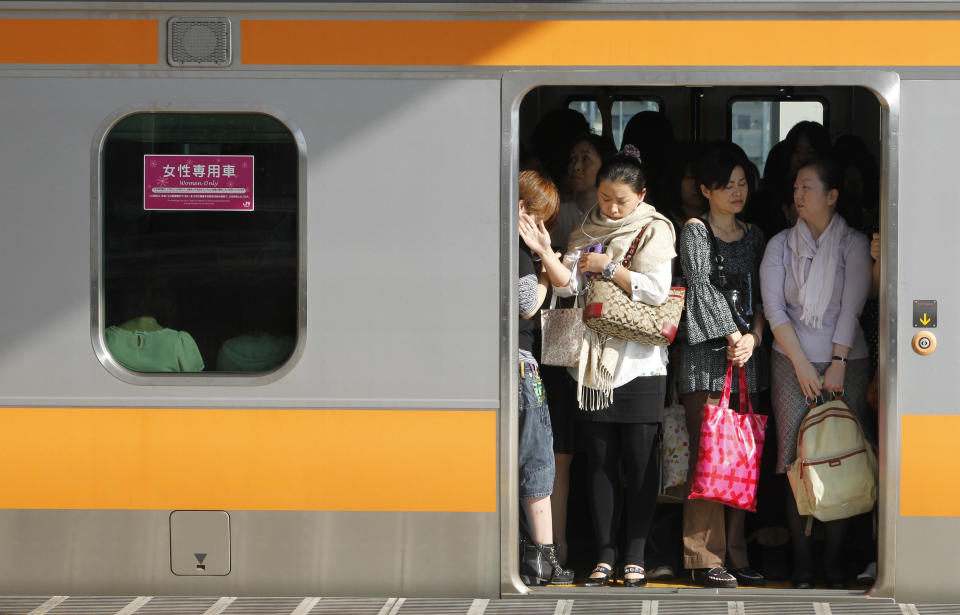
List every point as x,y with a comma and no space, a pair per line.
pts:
742,386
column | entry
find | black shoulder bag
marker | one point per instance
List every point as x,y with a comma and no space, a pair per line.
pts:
736,288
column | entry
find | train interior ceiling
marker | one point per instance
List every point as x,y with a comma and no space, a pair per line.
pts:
756,118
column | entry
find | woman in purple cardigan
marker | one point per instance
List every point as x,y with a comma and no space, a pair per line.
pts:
815,278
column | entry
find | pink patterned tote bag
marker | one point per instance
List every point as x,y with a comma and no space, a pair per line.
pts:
731,445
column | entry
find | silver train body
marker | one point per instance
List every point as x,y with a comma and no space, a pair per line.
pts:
406,298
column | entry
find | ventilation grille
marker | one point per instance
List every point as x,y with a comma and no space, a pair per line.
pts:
198,41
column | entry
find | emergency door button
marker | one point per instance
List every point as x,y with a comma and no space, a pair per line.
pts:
924,343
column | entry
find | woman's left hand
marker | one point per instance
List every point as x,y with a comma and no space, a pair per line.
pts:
593,262
741,352
834,376
534,234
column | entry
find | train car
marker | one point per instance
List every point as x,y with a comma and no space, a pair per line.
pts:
336,182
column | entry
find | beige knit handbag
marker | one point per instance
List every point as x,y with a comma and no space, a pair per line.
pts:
562,331
611,311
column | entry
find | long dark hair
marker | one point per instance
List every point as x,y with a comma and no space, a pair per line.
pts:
816,135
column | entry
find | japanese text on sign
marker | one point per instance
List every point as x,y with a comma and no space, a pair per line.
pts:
197,183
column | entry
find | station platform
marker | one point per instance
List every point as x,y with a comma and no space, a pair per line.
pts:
625,603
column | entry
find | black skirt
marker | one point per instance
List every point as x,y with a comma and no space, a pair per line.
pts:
638,401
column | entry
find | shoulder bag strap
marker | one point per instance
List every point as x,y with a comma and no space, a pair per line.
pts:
720,276
633,248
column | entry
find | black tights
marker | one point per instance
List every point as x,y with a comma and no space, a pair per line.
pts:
608,446
834,534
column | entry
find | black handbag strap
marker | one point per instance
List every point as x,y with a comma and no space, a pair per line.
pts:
719,276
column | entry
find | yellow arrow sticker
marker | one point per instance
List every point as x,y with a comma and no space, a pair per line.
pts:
925,313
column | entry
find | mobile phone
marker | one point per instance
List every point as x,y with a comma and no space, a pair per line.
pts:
596,248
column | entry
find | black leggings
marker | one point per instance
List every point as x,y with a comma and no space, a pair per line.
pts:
608,445
834,534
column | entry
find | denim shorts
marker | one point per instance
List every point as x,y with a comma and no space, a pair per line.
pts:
536,437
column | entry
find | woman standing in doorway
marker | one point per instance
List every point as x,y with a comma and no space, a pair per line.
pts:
815,281
714,545
621,383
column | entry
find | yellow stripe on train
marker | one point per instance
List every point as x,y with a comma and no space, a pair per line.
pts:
601,43
162,459
929,465
320,42
79,41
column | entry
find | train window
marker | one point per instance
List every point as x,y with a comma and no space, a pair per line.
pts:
758,125
622,110
199,238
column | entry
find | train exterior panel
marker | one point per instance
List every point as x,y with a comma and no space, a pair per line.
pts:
397,453
381,458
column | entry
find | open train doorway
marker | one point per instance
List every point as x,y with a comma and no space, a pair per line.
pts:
565,129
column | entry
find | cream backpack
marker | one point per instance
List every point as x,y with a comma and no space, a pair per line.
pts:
835,474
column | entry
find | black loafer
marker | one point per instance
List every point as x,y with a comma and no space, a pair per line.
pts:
836,584
802,583
713,577
748,577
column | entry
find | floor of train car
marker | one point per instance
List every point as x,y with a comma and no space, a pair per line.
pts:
684,583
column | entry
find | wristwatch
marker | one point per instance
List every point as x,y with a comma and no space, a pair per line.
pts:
609,271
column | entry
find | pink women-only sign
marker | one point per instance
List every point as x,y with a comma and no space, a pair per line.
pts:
197,183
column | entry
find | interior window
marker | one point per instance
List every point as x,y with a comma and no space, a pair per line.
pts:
758,125
199,242
623,109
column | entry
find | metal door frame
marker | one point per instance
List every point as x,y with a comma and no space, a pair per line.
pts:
885,84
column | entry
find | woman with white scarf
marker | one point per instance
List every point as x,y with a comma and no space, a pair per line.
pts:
621,383
815,278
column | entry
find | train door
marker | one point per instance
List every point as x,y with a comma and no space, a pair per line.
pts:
926,510
744,107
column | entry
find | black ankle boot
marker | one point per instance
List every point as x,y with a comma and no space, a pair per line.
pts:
539,565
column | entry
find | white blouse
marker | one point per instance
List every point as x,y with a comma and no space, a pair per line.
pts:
652,288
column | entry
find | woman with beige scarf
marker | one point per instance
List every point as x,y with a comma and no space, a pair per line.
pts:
621,383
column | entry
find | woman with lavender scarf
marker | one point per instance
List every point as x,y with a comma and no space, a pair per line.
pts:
815,278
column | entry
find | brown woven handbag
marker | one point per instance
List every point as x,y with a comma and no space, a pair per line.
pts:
611,311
